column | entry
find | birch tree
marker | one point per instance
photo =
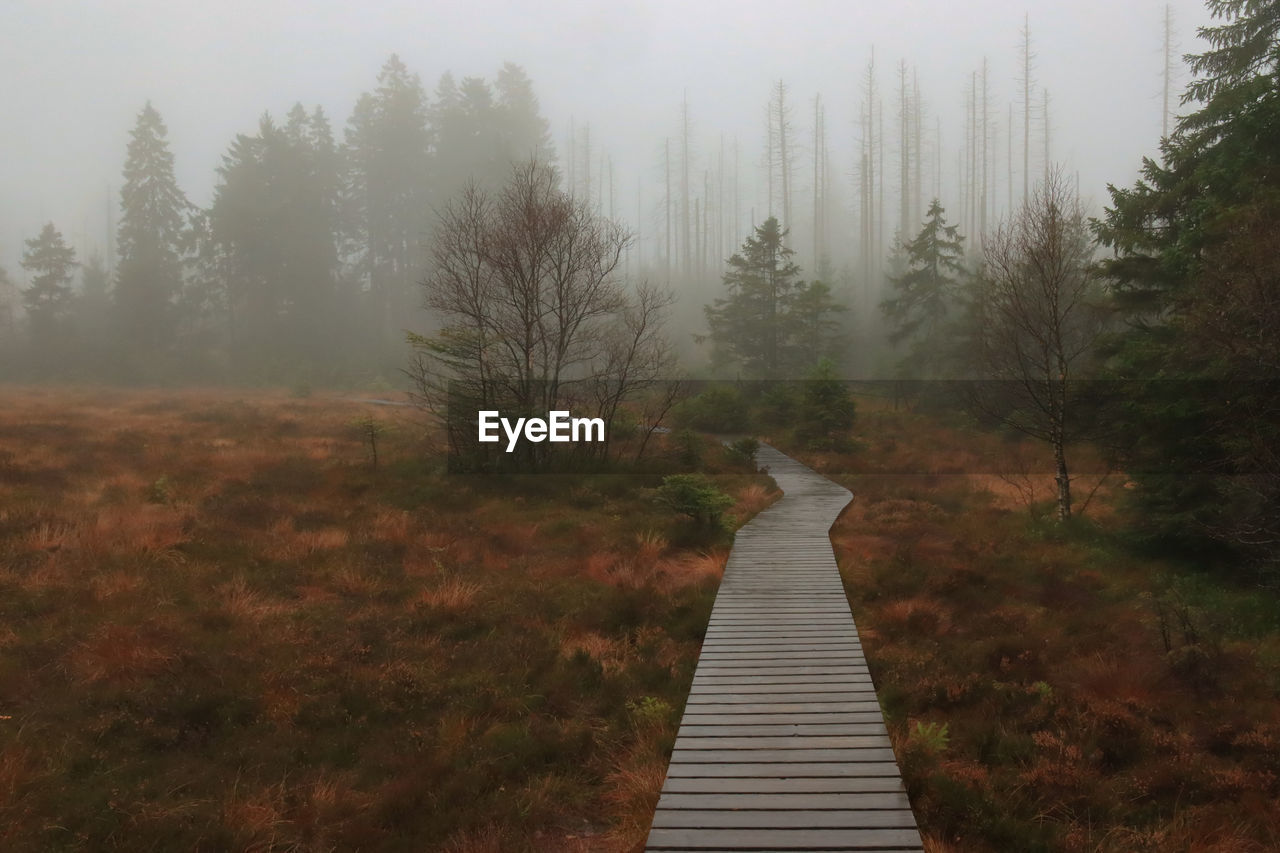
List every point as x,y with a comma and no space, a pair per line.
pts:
1038,322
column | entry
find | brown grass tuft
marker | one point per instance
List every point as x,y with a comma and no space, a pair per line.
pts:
919,616
450,594
121,654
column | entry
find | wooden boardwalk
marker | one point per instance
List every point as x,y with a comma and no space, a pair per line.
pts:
782,745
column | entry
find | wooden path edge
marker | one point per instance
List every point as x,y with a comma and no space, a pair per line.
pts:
782,745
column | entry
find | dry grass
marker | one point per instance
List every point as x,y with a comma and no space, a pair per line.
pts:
223,628
450,594
1070,727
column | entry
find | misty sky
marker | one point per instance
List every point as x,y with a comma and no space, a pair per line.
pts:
76,75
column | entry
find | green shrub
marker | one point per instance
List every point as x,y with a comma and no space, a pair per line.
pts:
778,404
720,408
694,495
742,453
929,738
687,445
826,410
160,492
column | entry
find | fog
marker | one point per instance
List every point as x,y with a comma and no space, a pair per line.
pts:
79,73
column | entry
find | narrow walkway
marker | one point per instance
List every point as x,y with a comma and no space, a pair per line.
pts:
782,745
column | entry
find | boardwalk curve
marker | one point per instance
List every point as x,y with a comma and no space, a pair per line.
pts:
782,745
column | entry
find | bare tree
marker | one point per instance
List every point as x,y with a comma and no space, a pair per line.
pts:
534,316
780,127
1037,322
1026,80
867,174
666,204
985,130
685,159
635,361
1169,68
904,157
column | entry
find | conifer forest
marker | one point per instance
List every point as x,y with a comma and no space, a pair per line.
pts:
1008,273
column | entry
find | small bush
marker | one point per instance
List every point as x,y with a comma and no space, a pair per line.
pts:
778,404
650,712
929,738
694,495
825,413
720,408
742,453
160,492
687,445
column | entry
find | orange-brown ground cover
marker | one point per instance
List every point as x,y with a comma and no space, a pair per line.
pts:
1093,700
221,627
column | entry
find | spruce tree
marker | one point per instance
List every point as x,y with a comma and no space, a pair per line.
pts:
523,131
271,238
51,263
1194,272
153,214
771,324
388,143
91,308
926,292
8,308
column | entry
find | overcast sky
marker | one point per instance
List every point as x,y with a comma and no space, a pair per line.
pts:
76,75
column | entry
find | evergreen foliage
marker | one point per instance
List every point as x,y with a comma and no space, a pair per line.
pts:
153,212
50,262
926,294
1194,273
771,324
8,309
826,411
695,496
273,227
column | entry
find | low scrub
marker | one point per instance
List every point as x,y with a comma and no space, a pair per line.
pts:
1046,687
223,626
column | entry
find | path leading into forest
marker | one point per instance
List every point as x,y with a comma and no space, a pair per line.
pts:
782,745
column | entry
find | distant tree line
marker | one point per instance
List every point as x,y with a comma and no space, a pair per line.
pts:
305,266
1153,331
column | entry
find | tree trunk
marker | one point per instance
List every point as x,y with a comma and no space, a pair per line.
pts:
1062,479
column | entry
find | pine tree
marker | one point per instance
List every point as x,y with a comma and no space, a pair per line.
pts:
273,237
1196,274
50,261
771,324
153,213
389,156
926,292
8,308
91,307
523,131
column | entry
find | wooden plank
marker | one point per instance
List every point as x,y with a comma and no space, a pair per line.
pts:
784,769
849,694
748,743
830,691
713,651
693,716
780,729
799,708
786,785
766,756
772,666
776,802
782,745
813,839
814,819
748,678
823,644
